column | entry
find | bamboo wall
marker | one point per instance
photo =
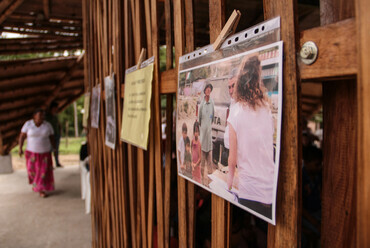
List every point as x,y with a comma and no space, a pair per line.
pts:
131,190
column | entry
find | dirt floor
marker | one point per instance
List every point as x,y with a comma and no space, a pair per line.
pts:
65,160
57,221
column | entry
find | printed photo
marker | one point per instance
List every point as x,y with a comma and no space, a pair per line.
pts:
228,127
110,110
95,106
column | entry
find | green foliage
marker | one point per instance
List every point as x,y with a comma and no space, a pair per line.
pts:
27,56
68,115
162,58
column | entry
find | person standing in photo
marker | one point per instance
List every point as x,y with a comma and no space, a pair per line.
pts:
40,142
196,154
206,114
52,118
251,132
187,158
181,148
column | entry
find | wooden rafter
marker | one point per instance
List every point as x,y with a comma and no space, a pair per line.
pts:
24,81
67,76
23,102
46,5
23,92
42,30
70,100
62,20
9,10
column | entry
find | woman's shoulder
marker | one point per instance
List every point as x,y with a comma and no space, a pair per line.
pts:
28,123
47,124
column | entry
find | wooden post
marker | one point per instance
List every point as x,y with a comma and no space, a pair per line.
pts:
220,207
157,126
286,233
179,24
363,117
339,147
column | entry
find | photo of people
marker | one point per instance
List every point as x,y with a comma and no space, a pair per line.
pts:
95,106
228,127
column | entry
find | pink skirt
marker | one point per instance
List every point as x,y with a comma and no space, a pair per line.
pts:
197,174
40,171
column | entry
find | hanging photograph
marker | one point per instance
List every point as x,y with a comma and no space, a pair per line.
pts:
95,106
228,127
110,110
136,107
86,109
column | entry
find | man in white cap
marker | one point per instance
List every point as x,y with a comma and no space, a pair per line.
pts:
206,114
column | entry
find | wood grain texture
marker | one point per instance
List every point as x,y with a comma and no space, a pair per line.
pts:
338,199
220,207
363,135
337,51
339,167
168,81
286,233
10,9
168,165
157,125
169,40
179,29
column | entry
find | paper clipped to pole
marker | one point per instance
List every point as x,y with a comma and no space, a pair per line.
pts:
136,106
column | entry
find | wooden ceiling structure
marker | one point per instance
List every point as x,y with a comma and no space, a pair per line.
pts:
49,27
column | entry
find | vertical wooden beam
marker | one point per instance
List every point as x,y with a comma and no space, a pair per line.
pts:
339,147
169,41
46,9
338,193
220,207
179,31
157,126
148,25
151,152
286,233
168,165
189,46
216,18
363,137
169,117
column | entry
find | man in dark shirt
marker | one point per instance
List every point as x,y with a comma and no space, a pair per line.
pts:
52,118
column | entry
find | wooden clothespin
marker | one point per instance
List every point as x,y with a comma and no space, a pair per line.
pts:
141,58
228,29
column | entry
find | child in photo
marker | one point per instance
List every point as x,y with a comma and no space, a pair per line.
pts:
187,159
196,154
181,148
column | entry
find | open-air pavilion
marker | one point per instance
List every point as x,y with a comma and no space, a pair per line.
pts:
137,200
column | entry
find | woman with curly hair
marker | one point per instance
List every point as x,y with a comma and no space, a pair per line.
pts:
251,140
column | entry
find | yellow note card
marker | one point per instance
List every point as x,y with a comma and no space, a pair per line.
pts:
136,107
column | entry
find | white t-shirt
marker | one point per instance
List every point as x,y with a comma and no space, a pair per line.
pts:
38,140
254,131
226,134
